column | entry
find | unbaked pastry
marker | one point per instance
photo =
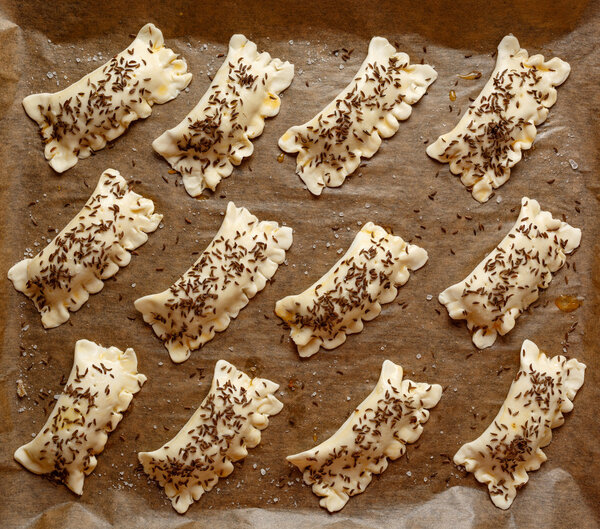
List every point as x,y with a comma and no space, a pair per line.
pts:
380,427
226,424
216,134
101,386
82,118
330,146
236,265
501,122
367,276
89,250
508,280
512,445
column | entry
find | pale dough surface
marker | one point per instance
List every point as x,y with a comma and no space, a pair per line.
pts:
512,444
502,121
331,145
89,250
100,388
237,264
226,424
509,279
352,291
379,428
82,118
216,134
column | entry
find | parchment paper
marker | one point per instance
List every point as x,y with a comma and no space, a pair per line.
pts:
42,43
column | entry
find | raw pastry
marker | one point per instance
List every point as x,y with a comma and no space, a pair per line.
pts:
100,387
226,424
90,249
508,280
330,145
236,265
82,118
216,134
367,276
501,122
512,445
389,418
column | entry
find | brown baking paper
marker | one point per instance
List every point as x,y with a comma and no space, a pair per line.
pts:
45,46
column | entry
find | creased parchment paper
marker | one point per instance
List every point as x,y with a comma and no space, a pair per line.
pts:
44,46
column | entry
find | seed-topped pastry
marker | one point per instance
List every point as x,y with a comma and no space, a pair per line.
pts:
502,121
226,424
216,134
81,119
236,265
330,146
508,280
512,445
100,387
89,250
367,276
380,427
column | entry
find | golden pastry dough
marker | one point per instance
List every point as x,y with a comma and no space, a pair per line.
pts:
508,280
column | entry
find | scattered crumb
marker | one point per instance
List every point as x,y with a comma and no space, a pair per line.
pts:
21,391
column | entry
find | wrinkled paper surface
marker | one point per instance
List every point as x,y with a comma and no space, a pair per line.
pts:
45,46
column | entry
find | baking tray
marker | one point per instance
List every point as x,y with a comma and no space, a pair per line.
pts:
47,45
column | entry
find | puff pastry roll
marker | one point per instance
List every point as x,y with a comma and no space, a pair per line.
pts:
216,134
330,146
501,122
81,119
226,424
100,387
508,280
236,265
380,427
367,276
89,250
512,445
